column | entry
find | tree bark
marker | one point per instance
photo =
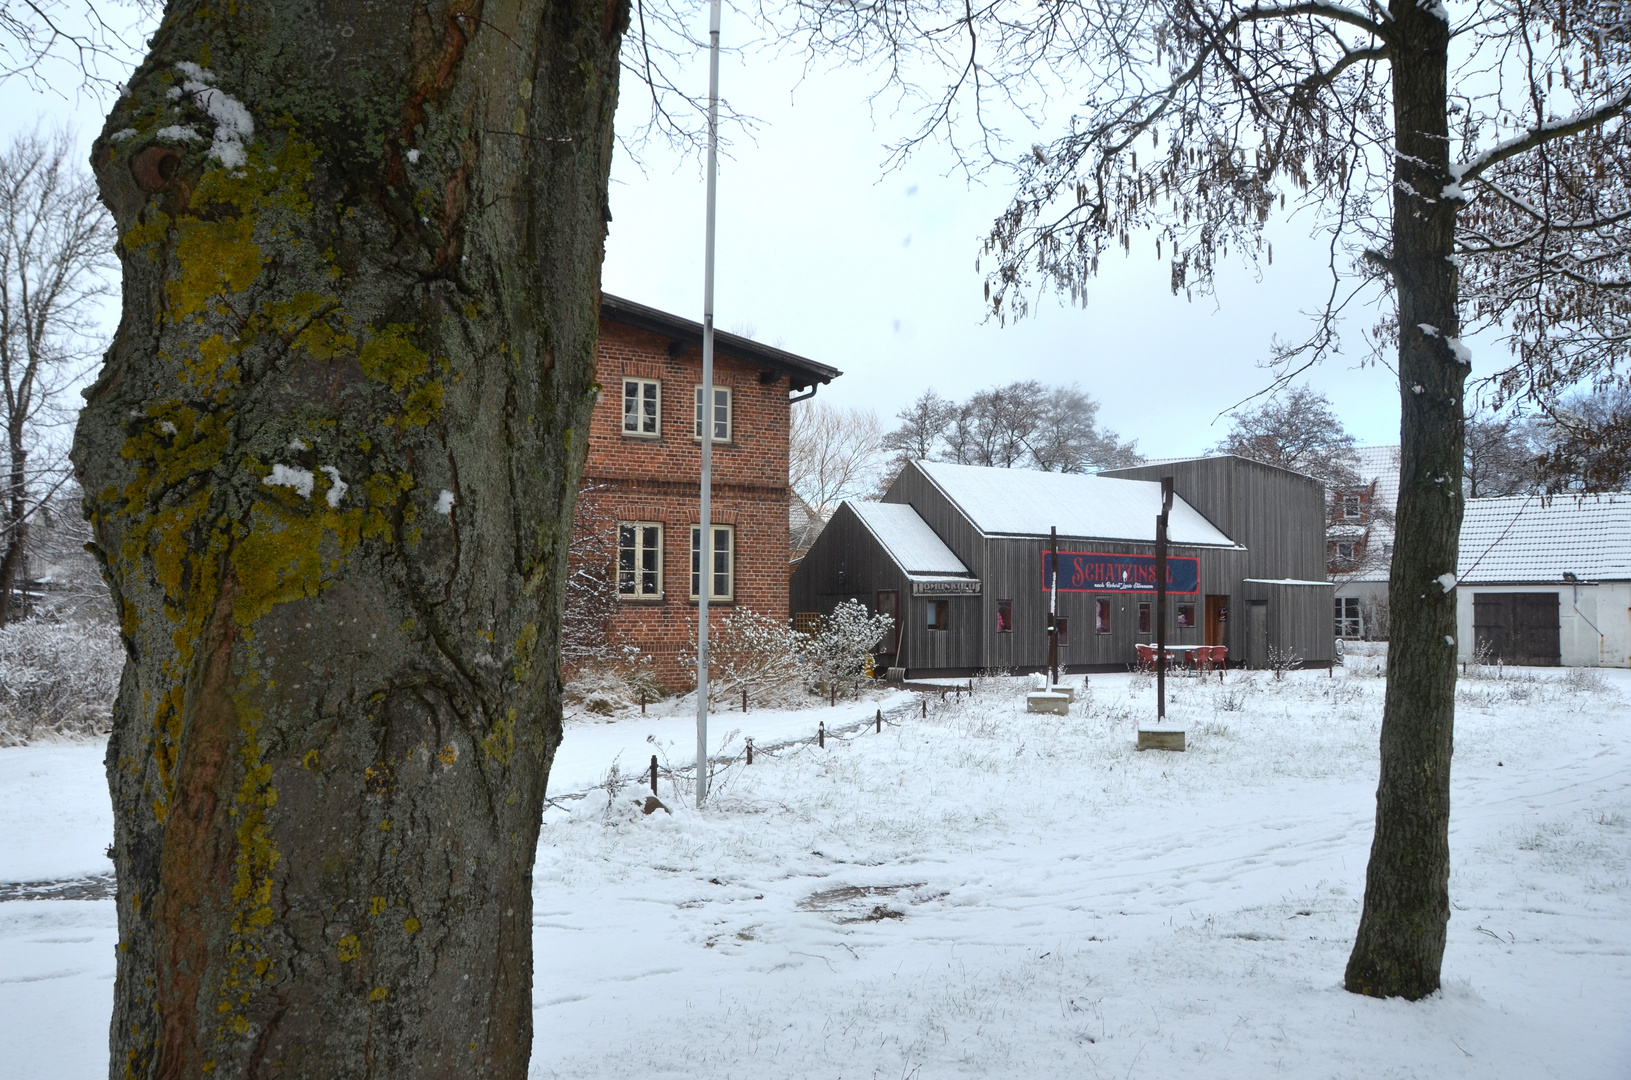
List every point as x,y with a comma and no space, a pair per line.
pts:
1400,943
330,465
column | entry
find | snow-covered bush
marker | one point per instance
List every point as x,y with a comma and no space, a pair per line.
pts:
843,646
611,684
57,680
747,650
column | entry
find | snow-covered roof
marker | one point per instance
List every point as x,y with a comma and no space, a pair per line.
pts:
1023,502
1380,463
1521,538
908,539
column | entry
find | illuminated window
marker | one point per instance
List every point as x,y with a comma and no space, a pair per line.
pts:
1186,616
1101,616
1005,616
642,407
722,579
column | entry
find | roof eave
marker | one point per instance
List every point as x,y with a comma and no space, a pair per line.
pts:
802,372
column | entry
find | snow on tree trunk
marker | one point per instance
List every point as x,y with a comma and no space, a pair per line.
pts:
330,464
1400,944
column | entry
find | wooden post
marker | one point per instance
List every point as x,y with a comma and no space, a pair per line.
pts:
750,749
1053,611
654,774
1161,599
642,703
925,702
744,699
821,734
832,692
880,721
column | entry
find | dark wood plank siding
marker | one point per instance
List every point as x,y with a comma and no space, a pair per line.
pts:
1279,516
846,563
1299,620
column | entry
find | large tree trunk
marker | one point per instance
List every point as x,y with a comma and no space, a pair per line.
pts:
331,463
1400,944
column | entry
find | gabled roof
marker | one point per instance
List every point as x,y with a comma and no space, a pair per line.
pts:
1023,502
908,540
1380,463
801,371
1522,538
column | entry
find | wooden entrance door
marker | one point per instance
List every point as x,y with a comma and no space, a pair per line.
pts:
1217,616
1517,628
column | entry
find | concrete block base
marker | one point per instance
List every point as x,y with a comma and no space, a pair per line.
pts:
1160,740
1041,701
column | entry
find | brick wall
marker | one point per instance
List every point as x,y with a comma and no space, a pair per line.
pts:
655,479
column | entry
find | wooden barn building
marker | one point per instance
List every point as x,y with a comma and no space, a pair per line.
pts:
957,555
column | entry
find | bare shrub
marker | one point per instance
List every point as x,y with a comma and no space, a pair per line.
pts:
57,680
1281,661
1582,680
747,650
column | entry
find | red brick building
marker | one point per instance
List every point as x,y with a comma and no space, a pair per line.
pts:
643,466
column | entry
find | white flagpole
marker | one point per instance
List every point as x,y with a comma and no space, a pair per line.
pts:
705,564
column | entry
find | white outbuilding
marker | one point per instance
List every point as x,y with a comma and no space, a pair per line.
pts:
1546,581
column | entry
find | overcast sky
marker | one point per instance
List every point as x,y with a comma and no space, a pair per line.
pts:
824,254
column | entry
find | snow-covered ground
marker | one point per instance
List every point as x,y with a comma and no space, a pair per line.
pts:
990,893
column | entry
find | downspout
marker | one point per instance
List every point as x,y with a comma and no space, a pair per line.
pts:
805,397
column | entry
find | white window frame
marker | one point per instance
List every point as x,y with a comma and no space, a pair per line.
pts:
729,406
1347,556
1352,508
729,552
1349,615
636,573
641,420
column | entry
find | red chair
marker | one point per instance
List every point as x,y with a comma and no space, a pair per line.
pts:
1146,657
1218,657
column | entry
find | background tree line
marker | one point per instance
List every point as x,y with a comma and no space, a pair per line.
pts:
841,453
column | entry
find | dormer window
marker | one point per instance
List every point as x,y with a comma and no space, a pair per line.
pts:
1350,508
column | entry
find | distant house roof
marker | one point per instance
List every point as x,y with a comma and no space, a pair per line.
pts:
1380,463
908,540
1022,502
801,371
1522,538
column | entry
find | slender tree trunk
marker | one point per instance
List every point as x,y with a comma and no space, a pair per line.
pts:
1400,944
16,524
330,465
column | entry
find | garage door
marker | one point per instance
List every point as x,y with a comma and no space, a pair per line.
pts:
1517,628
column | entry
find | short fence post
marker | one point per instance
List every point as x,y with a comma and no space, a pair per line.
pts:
750,749
821,734
925,701
642,703
744,699
654,774
832,688
880,721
